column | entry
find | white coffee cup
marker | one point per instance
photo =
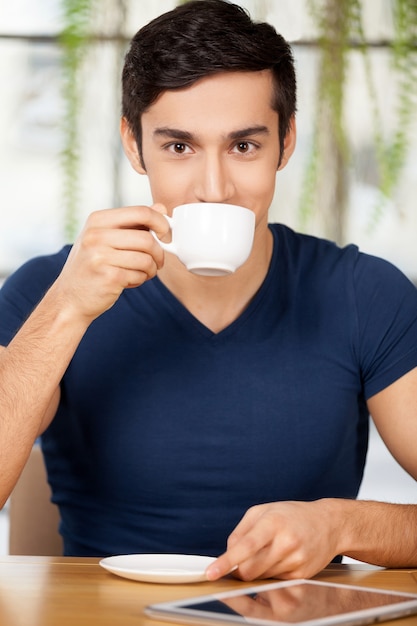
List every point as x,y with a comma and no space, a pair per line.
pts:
209,238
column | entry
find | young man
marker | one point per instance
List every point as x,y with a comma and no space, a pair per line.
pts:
210,415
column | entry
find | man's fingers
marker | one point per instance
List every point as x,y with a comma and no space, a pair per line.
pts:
221,567
240,549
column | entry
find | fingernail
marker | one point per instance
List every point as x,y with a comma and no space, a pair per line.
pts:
212,573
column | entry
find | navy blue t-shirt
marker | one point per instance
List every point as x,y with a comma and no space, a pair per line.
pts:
167,432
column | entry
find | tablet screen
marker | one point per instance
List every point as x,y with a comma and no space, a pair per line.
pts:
296,602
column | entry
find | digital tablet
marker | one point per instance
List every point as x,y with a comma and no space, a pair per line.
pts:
297,602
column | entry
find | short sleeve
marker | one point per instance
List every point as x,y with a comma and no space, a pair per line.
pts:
386,306
24,289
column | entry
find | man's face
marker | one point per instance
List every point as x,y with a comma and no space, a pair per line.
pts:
216,141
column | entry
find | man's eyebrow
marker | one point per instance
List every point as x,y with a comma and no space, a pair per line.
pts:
248,132
173,133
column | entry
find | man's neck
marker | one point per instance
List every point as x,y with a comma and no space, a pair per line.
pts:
218,301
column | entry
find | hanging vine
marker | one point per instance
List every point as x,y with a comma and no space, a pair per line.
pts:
340,29
74,40
325,184
392,154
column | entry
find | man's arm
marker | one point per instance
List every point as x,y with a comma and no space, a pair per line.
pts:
386,534
115,251
31,368
298,539
394,411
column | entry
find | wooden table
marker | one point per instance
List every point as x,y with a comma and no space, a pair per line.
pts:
59,591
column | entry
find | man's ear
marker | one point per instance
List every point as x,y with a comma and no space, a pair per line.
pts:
289,144
131,147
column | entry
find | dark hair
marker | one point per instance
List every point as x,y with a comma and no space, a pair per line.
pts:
198,39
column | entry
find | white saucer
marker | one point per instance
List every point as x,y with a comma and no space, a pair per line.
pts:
159,568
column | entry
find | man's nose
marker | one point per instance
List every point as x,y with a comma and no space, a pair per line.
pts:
213,181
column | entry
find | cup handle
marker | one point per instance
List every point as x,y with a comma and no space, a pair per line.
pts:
170,247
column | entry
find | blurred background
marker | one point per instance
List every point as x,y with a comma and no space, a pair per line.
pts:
352,177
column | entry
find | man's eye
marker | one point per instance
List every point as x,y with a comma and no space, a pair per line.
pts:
178,148
245,147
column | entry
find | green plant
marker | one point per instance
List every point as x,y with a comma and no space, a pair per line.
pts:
74,40
330,149
392,154
340,30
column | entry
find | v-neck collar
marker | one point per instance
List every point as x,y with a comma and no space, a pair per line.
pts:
183,316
